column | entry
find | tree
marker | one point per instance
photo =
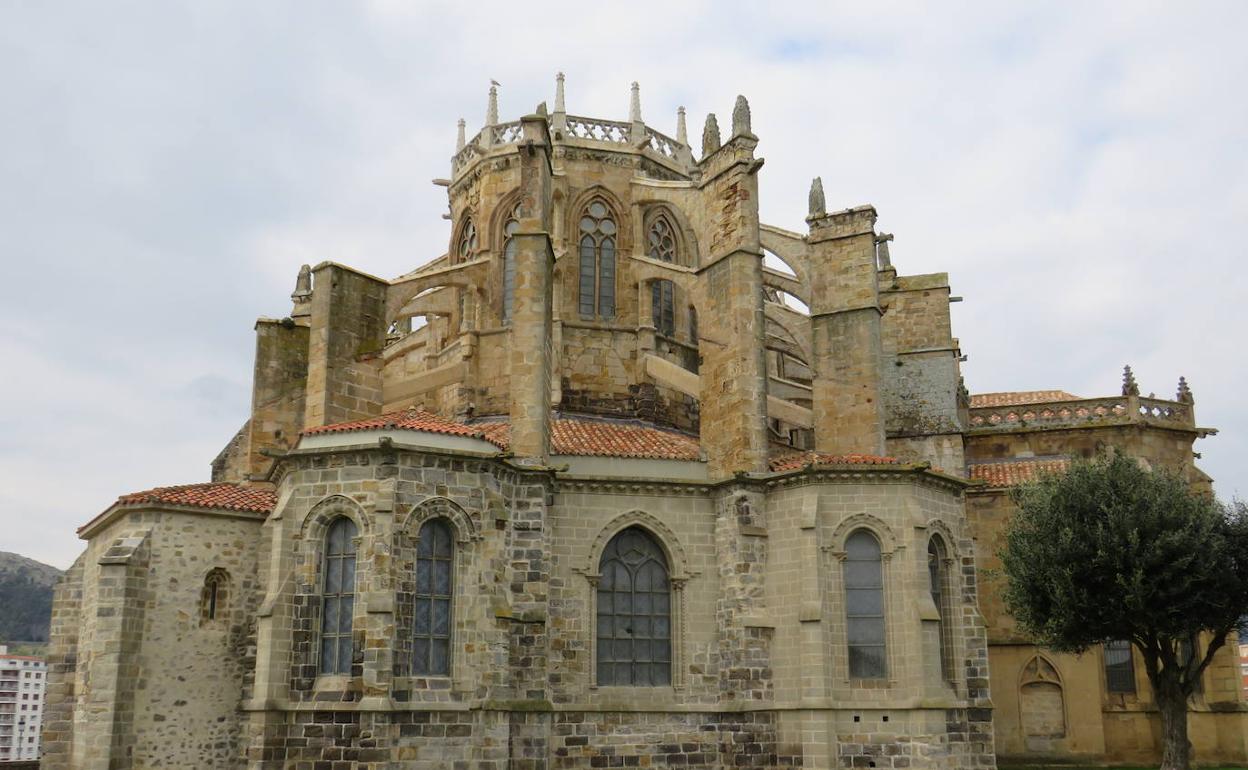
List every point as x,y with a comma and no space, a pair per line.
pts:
1111,551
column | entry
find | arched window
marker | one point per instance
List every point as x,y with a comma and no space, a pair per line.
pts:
337,597
864,606
215,596
509,262
661,245
467,245
431,626
1119,667
937,579
597,269
634,612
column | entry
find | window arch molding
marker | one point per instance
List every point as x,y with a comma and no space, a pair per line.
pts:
684,235
678,575
465,529
876,526
466,240
618,212
318,518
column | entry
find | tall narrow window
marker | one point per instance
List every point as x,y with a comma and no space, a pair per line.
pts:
214,598
597,267
337,597
509,262
694,360
467,245
864,606
661,245
1119,667
431,631
634,612
937,577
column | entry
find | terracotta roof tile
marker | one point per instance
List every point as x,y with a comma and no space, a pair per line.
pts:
569,435
411,419
1008,473
1013,398
791,459
232,497
610,439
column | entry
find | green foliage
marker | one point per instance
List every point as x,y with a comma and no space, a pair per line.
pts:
1111,551
25,599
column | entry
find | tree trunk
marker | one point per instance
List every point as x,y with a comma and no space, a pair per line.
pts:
1176,752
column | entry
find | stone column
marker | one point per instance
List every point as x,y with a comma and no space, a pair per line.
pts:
733,373
348,331
845,319
531,314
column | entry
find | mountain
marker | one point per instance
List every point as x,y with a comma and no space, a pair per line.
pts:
25,598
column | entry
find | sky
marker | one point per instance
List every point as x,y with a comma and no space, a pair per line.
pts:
1079,169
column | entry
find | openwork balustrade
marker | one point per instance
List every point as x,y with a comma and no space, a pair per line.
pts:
507,133
598,130
662,144
1073,413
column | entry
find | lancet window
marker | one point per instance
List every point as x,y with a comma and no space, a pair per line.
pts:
597,266
938,577
467,245
432,620
661,245
864,606
509,262
634,622
337,597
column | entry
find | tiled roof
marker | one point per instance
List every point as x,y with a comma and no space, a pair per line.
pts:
221,496
1008,473
230,497
411,419
568,435
608,439
789,460
1014,398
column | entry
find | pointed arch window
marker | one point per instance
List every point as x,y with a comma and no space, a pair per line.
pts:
337,596
597,265
467,245
634,620
661,245
938,578
432,621
510,227
864,606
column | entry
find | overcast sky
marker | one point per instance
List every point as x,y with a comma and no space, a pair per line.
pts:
1079,170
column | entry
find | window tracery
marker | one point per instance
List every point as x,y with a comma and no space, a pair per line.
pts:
597,261
661,245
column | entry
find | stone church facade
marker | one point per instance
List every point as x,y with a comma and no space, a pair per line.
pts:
602,486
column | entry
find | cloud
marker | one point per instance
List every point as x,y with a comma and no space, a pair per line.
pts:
1079,172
